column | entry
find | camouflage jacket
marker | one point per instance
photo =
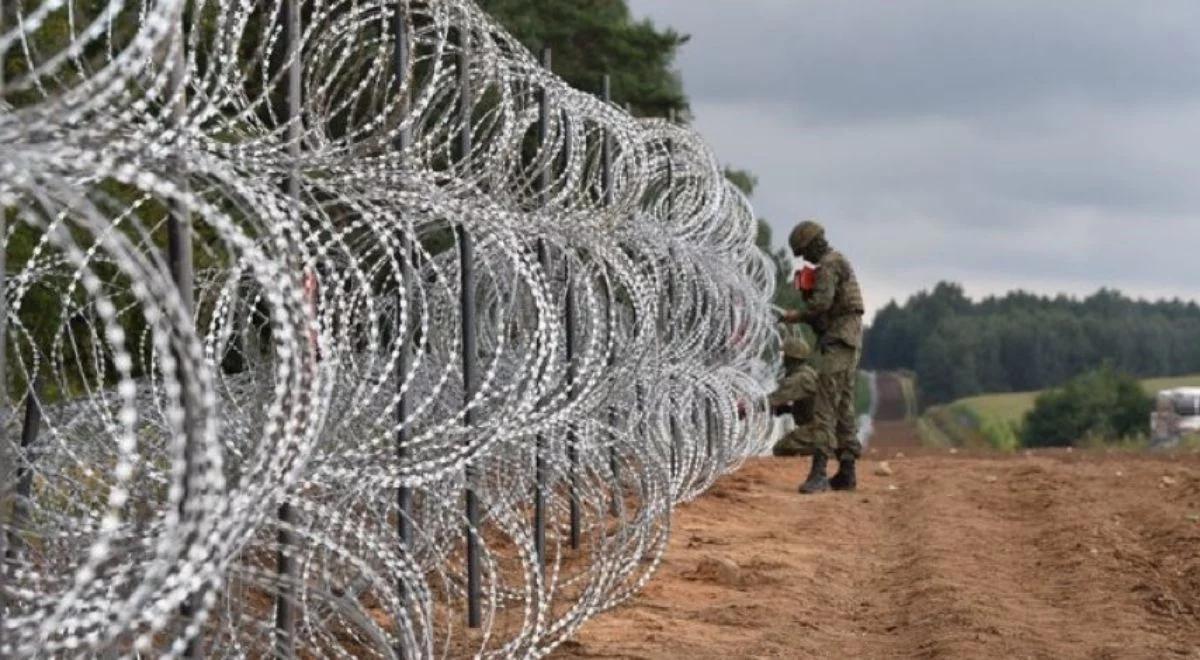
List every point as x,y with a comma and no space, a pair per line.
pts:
800,384
835,306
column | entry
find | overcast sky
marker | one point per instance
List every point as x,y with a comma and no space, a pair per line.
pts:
1049,146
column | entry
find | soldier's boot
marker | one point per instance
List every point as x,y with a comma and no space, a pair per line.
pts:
845,478
817,481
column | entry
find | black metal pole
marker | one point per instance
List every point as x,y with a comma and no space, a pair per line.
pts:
674,452
285,562
606,180
708,430
539,496
401,59
30,427
569,321
404,496
179,259
674,430
466,256
572,435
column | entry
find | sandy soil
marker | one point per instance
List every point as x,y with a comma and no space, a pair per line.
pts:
1042,555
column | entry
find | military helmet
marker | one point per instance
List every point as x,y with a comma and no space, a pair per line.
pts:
796,348
805,233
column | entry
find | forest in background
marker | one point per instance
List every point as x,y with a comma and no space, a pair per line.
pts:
1022,341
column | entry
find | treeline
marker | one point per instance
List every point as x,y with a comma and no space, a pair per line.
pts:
1021,341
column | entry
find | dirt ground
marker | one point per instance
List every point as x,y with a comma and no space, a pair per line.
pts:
1036,555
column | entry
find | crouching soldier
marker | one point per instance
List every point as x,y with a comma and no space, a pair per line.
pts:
795,396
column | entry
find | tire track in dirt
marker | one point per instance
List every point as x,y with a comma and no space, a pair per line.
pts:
1021,566
1047,556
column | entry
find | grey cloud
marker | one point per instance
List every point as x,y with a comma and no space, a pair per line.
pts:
835,60
1004,144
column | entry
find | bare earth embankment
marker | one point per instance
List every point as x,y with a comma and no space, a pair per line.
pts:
1042,555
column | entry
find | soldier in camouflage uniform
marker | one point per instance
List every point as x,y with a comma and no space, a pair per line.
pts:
834,310
795,395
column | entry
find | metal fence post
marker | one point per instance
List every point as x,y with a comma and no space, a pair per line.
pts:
674,428
466,255
401,59
179,259
569,320
13,543
638,388
709,429
572,434
606,180
30,427
539,497
285,563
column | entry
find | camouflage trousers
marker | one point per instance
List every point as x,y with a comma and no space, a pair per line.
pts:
833,428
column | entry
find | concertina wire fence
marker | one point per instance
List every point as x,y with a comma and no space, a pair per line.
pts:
344,328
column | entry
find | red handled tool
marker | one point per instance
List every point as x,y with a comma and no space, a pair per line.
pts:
806,280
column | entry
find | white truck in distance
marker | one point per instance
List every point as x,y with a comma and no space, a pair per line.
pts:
1176,413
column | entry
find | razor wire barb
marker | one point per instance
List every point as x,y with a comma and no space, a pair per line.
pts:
274,457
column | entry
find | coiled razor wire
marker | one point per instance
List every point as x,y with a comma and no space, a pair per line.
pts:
344,328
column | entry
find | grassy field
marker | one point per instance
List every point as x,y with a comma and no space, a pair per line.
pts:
1155,384
994,420
1011,407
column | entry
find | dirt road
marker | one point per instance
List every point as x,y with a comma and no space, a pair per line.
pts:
1047,555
